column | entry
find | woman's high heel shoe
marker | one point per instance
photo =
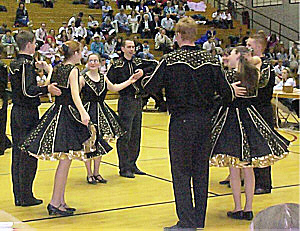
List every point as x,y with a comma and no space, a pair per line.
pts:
100,179
68,208
91,180
56,211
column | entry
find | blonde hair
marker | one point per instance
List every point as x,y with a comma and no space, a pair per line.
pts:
187,27
69,48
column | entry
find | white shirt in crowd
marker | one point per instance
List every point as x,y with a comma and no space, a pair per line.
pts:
288,82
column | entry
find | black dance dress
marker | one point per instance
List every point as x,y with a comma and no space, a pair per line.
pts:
102,116
241,137
60,133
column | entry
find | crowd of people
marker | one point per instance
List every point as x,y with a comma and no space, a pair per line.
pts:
235,104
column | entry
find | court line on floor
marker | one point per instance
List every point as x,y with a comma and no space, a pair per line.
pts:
135,206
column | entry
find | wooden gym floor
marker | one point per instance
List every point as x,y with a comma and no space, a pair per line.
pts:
143,203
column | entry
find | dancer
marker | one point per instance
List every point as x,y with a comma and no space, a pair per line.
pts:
258,43
25,115
106,121
191,78
241,138
130,106
62,133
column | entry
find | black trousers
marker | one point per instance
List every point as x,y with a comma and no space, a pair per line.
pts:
23,168
263,177
128,145
4,141
189,144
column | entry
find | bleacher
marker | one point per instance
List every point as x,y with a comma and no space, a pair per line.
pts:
64,9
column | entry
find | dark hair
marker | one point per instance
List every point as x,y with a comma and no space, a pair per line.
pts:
23,38
91,16
7,30
69,48
145,41
248,73
80,14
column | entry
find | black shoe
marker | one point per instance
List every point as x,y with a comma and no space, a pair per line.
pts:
260,191
242,182
127,174
224,182
100,179
138,172
236,215
31,202
91,180
55,211
179,228
248,215
68,208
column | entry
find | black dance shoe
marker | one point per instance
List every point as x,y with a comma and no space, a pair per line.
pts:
31,202
138,172
100,179
248,215
55,211
127,174
260,191
179,228
68,208
236,215
91,180
224,182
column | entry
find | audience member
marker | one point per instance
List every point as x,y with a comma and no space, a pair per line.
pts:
163,42
21,15
9,44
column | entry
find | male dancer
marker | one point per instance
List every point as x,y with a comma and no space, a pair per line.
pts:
4,141
130,106
258,42
191,78
25,115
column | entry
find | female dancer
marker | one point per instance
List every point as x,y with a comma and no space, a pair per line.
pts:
62,133
94,88
240,136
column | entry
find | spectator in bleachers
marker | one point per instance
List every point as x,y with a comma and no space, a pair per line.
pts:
157,10
95,4
138,46
72,19
85,51
70,34
209,45
144,8
282,54
133,21
22,18
97,46
168,24
216,17
106,11
146,51
110,48
107,27
78,19
61,38
278,69
51,35
229,21
156,24
180,11
41,79
272,40
169,9
40,35
9,44
122,20
63,27
119,45
81,32
163,42
103,66
245,38
93,26
73,28
146,27
48,3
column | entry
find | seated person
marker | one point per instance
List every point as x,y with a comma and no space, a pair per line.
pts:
48,3
21,15
146,27
287,80
163,42
9,44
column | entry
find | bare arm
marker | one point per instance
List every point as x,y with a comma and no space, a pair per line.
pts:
75,96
